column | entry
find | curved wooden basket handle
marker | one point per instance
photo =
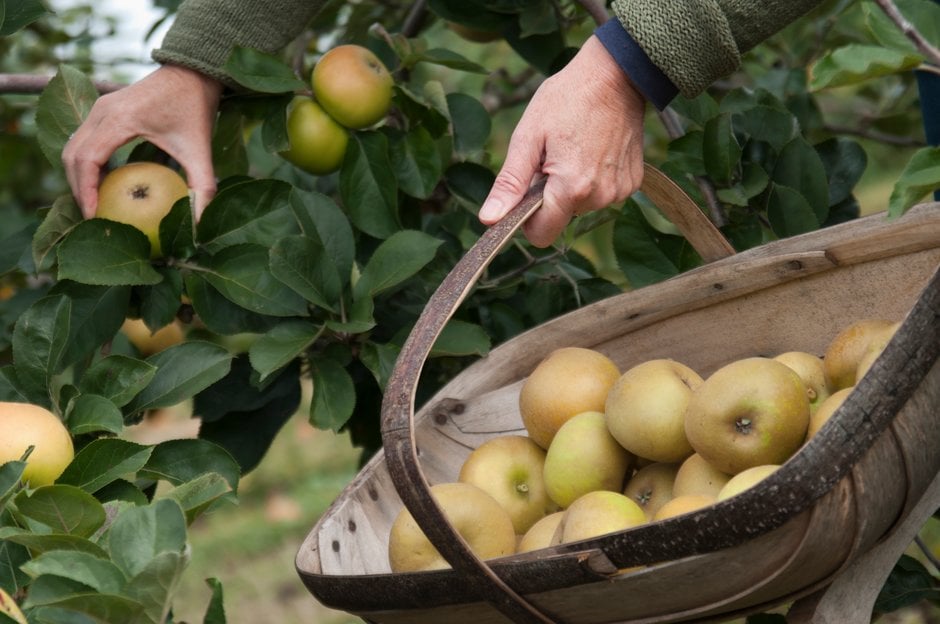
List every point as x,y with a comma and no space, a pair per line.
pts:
398,439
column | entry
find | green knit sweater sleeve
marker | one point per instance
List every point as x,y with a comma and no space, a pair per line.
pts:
695,42
205,31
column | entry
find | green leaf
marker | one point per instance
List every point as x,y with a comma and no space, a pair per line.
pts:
160,303
380,360
368,186
14,248
921,175
215,612
11,557
908,584
183,370
637,249
800,168
417,161
395,260
775,126
721,150
542,51
179,461
472,123
469,182
241,273
697,110
461,338
321,218
106,253
97,607
274,136
259,71
63,508
277,348
139,534
685,152
199,494
923,14
91,413
256,211
360,318
301,263
154,586
178,232
39,340
228,143
103,461
844,161
220,315
97,573
789,212
334,395
856,62
60,219
62,106
39,543
121,490
445,58
18,14
97,313
11,473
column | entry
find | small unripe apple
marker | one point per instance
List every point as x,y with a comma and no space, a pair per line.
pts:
317,142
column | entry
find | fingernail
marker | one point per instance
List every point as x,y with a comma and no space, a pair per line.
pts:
492,209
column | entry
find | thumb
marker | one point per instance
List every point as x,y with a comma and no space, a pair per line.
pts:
201,180
523,162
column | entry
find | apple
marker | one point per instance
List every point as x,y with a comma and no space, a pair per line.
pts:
645,409
148,342
749,412
651,486
23,425
849,347
510,469
682,505
583,457
746,479
474,514
353,86
697,477
541,533
825,411
878,343
9,608
568,381
812,371
317,142
141,194
597,513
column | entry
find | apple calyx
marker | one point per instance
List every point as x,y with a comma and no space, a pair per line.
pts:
743,426
522,488
140,191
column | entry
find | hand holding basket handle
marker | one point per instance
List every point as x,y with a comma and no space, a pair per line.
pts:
398,405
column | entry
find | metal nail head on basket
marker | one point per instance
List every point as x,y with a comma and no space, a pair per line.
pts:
820,534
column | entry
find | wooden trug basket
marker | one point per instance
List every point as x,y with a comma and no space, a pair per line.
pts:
821,533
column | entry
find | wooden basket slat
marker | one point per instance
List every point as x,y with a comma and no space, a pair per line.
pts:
818,281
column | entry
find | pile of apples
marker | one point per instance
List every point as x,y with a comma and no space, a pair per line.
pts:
607,451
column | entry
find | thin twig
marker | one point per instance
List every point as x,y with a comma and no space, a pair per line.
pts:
671,123
928,50
875,135
415,18
928,553
596,10
27,84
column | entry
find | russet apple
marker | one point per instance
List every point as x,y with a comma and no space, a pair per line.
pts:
353,85
812,371
683,505
651,486
697,477
541,533
850,345
745,480
826,410
645,409
597,513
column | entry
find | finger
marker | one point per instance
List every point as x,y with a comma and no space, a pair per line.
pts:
548,222
523,161
201,180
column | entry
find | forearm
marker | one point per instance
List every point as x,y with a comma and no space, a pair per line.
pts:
205,31
696,42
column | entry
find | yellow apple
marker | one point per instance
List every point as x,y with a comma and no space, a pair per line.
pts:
510,469
569,381
850,345
877,344
749,412
9,608
682,505
541,533
23,425
353,86
645,409
651,486
825,411
746,479
474,514
597,513
141,194
812,371
584,457
317,142
148,342
697,477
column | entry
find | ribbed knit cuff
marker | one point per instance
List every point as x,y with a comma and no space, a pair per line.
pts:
645,76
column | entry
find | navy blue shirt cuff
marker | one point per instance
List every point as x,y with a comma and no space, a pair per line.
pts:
645,76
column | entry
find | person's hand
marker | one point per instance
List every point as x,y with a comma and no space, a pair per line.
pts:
583,129
174,108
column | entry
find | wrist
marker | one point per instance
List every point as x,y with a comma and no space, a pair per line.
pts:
633,62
